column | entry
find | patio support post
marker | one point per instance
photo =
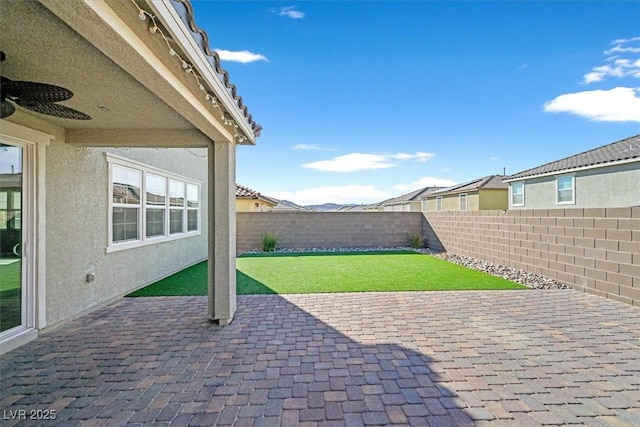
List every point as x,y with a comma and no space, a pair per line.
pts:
222,232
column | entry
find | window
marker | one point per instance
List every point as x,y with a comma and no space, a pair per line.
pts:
149,205
517,194
439,203
565,189
463,202
192,207
126,184
176,203
156,191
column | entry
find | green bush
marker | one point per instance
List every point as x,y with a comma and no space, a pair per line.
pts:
269,243
416,241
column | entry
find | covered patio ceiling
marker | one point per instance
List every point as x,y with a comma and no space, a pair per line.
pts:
120,73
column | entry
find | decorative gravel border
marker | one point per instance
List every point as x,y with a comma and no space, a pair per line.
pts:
530,280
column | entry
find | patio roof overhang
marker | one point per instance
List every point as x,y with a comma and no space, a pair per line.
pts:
123,75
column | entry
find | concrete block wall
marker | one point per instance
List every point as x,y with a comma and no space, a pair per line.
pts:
592,250
327,229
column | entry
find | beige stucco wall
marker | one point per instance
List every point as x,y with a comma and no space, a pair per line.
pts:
249,205
483,199
76,217
493,199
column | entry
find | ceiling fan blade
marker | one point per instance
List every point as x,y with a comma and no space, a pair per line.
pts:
34,92
54,110
6,109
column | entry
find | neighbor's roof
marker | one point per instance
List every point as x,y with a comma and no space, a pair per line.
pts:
490,182
625,149
412,196
243,192
186,13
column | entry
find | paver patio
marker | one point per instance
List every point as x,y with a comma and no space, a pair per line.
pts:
418,358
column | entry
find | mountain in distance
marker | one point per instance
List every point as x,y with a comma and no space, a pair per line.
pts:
328,207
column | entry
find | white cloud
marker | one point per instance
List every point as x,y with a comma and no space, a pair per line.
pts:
621,104
242,56
291,12
615,64
343,194
355,162
493,158
311,147
427,181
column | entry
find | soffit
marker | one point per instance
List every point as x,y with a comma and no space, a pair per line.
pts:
40,47
84,55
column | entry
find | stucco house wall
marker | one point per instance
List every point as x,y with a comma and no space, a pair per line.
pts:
249,205
603,187
77,188
411,206
451,202
493,199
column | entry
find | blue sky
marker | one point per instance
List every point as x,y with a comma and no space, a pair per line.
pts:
362,101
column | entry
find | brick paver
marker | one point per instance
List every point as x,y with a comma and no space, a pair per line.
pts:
417,358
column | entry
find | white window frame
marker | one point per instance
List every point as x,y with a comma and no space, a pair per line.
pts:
573,189
513,194
439,203
464,197
143,240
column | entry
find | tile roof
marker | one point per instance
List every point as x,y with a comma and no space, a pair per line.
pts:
412,196
243,192
486,182
186,13
625,149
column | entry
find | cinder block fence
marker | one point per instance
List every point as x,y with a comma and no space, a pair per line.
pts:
592,250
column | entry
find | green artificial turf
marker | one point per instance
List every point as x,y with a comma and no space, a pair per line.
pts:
287,273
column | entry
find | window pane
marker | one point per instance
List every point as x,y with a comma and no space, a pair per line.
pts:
156,190
565,195
155,222
192,196
126,185
517,193
176,193
192,220
176,221
463,202
565,183
125,224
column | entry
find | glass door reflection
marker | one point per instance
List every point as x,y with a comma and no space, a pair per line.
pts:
11,276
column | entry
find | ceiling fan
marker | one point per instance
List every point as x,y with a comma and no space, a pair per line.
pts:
38,97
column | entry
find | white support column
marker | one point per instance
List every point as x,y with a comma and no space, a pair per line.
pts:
222,232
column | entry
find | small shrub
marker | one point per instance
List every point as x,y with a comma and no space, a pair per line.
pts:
416,241
269,243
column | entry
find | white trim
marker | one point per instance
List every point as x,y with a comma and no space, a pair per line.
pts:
571,170
143,240
182,34
34,145
466,202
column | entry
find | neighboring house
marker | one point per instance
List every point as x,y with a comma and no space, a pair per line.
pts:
410,202
248,200
286,205
122,177
605,177
486,193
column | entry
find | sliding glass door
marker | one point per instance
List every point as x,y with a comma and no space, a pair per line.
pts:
12,263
